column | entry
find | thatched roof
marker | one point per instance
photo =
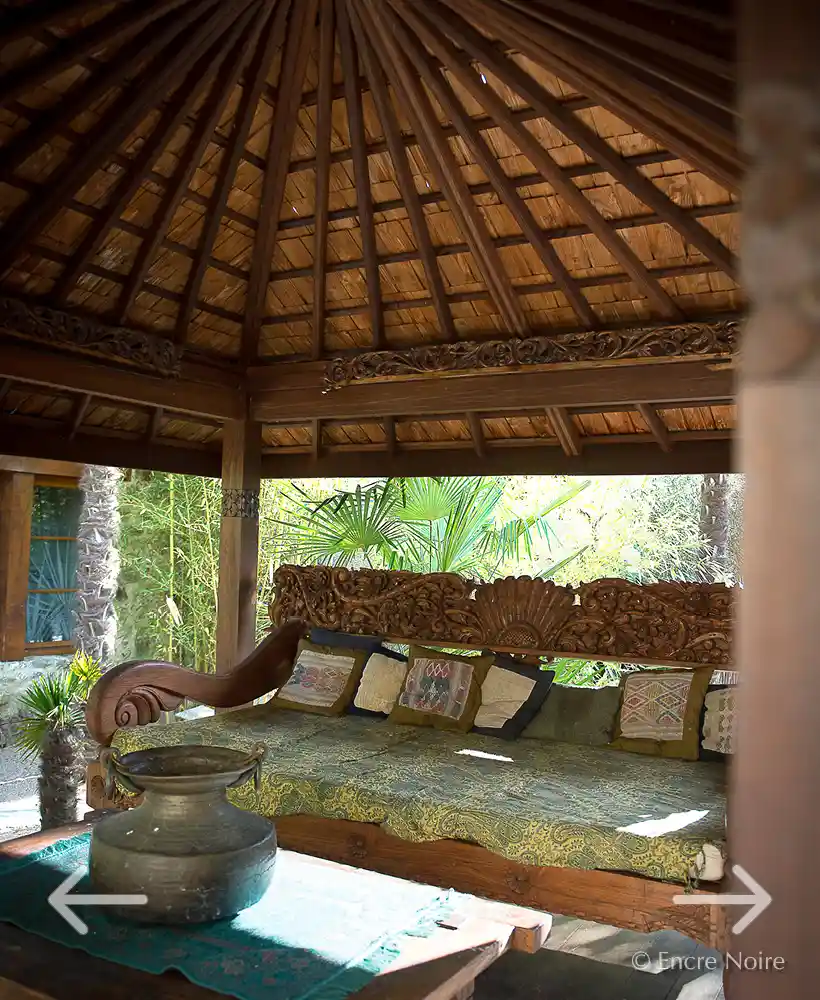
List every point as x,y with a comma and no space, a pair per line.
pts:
269,184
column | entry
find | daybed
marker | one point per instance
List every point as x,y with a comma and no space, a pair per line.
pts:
583,830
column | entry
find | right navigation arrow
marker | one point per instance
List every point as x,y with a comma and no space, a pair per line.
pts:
757,900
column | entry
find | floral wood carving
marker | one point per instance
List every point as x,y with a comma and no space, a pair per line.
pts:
33,321
682,340
675,623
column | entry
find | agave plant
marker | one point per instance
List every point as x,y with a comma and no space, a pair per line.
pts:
52,728
430,525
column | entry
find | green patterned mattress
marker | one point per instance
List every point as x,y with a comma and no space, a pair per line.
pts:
538,803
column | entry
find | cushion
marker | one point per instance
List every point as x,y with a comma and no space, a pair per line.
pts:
660,712
344,640
381,682
441,690
577,715
323,679
719,721
511,694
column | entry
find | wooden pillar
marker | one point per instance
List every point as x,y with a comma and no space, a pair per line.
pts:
239,542
774,810
16,498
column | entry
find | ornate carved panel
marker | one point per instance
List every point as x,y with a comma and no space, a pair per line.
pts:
682,340
240,503
674,623
34,321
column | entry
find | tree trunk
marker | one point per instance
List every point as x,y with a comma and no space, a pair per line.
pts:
715,522
62,767
97,563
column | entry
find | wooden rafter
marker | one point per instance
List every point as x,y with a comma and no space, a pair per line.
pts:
410,197
441,161
324,131
577,131
294,63
543,161
657,428
358,142
486,159
477,433
154,423
268,44
115,126
114,27
23,22
564,428
231,56
78,413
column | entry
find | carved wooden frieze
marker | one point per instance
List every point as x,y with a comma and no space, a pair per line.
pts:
681,340
676,623
34,321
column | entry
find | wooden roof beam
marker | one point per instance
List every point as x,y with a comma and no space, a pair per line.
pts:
488,162
40,366
121,118
78,412
407,188
542,160
599,459
297,50
324,133
299,391
657,427
564,428
230,57
441,162
477,434
217,204
577,131
361,174
154,423
121,22
21,22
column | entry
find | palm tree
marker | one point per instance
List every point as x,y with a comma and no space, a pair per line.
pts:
430,525
52,727
95,627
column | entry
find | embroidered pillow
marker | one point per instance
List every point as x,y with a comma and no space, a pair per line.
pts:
323,679
719,721
511,695
660,712
381,682
441,690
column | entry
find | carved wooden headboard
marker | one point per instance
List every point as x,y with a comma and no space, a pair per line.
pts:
675,624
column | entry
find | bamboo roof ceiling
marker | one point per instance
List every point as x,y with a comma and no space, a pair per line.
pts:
230,194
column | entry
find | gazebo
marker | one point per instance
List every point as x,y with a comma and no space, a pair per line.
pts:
293,238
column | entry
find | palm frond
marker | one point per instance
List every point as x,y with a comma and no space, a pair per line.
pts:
51,703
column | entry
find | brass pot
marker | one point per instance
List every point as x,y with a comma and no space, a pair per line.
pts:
193,854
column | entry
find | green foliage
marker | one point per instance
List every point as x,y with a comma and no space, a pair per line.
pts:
87,672
52,703
433,525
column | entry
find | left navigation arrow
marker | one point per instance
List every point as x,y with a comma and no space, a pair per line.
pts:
62,901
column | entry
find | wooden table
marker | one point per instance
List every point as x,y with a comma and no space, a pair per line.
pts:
442,966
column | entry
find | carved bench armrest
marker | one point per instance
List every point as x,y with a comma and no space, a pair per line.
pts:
137,692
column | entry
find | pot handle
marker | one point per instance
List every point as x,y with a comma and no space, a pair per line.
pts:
252,768
113,771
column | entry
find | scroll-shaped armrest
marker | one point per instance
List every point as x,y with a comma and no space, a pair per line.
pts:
137,692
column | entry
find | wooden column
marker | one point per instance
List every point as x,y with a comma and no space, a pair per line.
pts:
774,810
16,498
239,542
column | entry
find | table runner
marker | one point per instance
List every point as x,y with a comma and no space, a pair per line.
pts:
320,932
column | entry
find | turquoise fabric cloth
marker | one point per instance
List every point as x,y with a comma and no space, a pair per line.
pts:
319,933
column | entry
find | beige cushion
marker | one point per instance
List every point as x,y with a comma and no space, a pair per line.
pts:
380,684
654,705
719,722
502,694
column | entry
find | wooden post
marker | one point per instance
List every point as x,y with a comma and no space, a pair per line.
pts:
774,812
239,542
16,499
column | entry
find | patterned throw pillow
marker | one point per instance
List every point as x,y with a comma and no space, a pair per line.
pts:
511,695
441,690
323,679
719,722
381,682
660,712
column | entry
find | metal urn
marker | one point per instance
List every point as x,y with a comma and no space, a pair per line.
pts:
194,855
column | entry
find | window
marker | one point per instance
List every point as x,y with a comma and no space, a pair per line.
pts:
52,561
